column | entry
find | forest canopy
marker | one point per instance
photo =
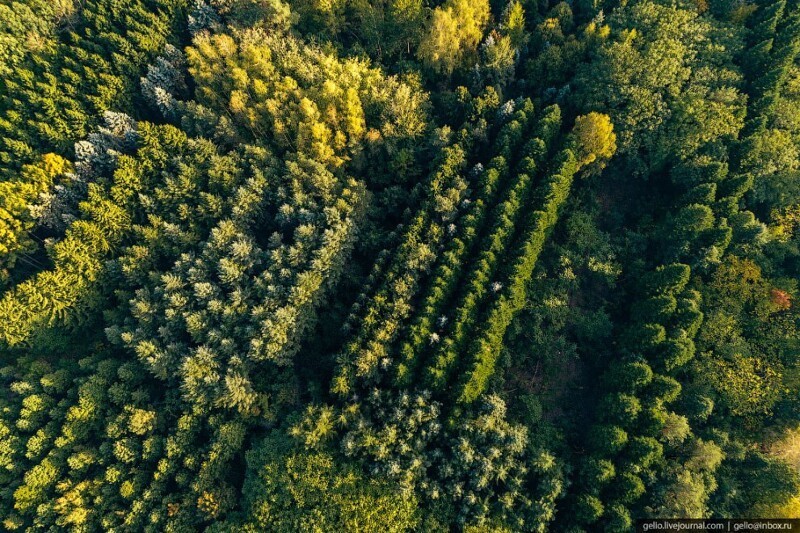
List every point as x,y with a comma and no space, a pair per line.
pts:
398,265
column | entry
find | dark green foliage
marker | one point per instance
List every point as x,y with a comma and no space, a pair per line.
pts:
387,265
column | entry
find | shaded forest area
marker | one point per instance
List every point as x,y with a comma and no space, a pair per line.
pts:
398,265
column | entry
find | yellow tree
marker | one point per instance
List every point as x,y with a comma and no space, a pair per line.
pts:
595,141
453,33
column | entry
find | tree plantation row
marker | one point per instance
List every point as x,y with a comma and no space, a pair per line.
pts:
398,265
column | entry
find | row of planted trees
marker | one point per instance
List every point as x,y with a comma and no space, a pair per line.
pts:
396,408
643,452
194,259
161,289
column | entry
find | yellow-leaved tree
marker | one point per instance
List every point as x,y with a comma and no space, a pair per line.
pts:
596,141
453,34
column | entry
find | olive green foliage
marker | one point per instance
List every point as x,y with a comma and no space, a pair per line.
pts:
311,490
395,265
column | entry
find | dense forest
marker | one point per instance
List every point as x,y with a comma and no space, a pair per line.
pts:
398,265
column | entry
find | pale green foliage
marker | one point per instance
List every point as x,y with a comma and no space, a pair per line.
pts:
668,95
296,489
461,469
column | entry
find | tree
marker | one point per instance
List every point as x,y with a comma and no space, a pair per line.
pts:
453,33
290,488
19,210
596,141
648,72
